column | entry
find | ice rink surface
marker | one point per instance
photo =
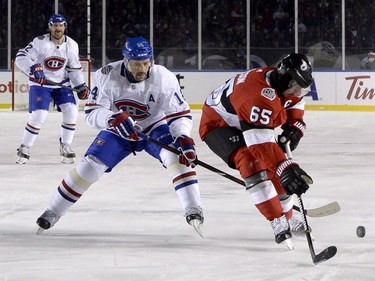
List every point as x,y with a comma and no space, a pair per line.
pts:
129,226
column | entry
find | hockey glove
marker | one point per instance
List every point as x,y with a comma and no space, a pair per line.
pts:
83,91
293,179
37,74
186,146
124,125
293,132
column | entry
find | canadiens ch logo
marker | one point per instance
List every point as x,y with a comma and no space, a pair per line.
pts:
136,110
99,142
54,63
268,93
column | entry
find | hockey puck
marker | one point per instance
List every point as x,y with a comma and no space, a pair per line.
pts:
361,231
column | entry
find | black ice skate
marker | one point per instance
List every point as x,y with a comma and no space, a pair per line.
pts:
195,218
46,220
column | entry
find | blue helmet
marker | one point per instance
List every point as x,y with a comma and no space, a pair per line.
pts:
56,18
137,48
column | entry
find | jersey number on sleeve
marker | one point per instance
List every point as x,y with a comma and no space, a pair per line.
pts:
180,100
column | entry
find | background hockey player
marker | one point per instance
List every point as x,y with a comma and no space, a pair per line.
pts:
130,95
51,57
238,122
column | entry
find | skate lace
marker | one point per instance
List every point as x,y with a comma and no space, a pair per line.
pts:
194,214
66,150
296,225
279,225
50,216
23,151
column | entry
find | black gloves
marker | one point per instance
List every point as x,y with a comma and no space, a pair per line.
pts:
293,179
293,132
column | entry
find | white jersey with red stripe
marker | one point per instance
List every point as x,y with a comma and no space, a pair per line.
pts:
156,100
60,62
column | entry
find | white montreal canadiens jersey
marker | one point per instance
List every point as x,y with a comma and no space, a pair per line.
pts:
60,62
154,101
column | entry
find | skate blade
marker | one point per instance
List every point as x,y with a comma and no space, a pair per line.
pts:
21,160
197,226
66,160
289,244
40,231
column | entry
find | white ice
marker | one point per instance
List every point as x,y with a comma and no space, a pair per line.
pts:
129,226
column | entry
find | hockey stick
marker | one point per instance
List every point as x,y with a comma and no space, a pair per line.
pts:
322,211
61,85
327,253
53,83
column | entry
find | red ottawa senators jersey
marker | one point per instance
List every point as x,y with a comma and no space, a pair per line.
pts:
248,102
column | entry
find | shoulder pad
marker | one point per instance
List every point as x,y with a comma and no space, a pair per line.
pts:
106,69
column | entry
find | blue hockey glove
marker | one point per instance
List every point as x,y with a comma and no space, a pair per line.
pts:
37,74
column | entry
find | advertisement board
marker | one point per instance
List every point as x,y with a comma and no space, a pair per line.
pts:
330,91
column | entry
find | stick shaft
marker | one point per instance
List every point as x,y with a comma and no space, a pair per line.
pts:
211,168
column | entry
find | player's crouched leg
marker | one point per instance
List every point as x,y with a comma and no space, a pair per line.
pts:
185,183
70,190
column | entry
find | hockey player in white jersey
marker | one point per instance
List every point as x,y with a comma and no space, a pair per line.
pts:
51,57
134,95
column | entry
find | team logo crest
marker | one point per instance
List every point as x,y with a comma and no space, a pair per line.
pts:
99,142
54,63
106,69
268,93
136,110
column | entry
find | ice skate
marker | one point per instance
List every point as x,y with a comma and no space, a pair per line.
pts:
46,221
282,232
296,227
67,153
195,218
23,153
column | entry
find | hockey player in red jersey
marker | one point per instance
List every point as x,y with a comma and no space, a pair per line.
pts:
238,123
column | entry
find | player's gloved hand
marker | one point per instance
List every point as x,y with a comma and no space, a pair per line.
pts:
83,91
293,179
124,125
186,145
293,132
37,74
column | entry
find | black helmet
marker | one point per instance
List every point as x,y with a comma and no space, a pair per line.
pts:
295,67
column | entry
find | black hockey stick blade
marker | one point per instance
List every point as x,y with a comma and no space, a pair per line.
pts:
325,255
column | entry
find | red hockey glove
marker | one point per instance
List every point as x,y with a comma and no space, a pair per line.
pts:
186,146
83,91
124,125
